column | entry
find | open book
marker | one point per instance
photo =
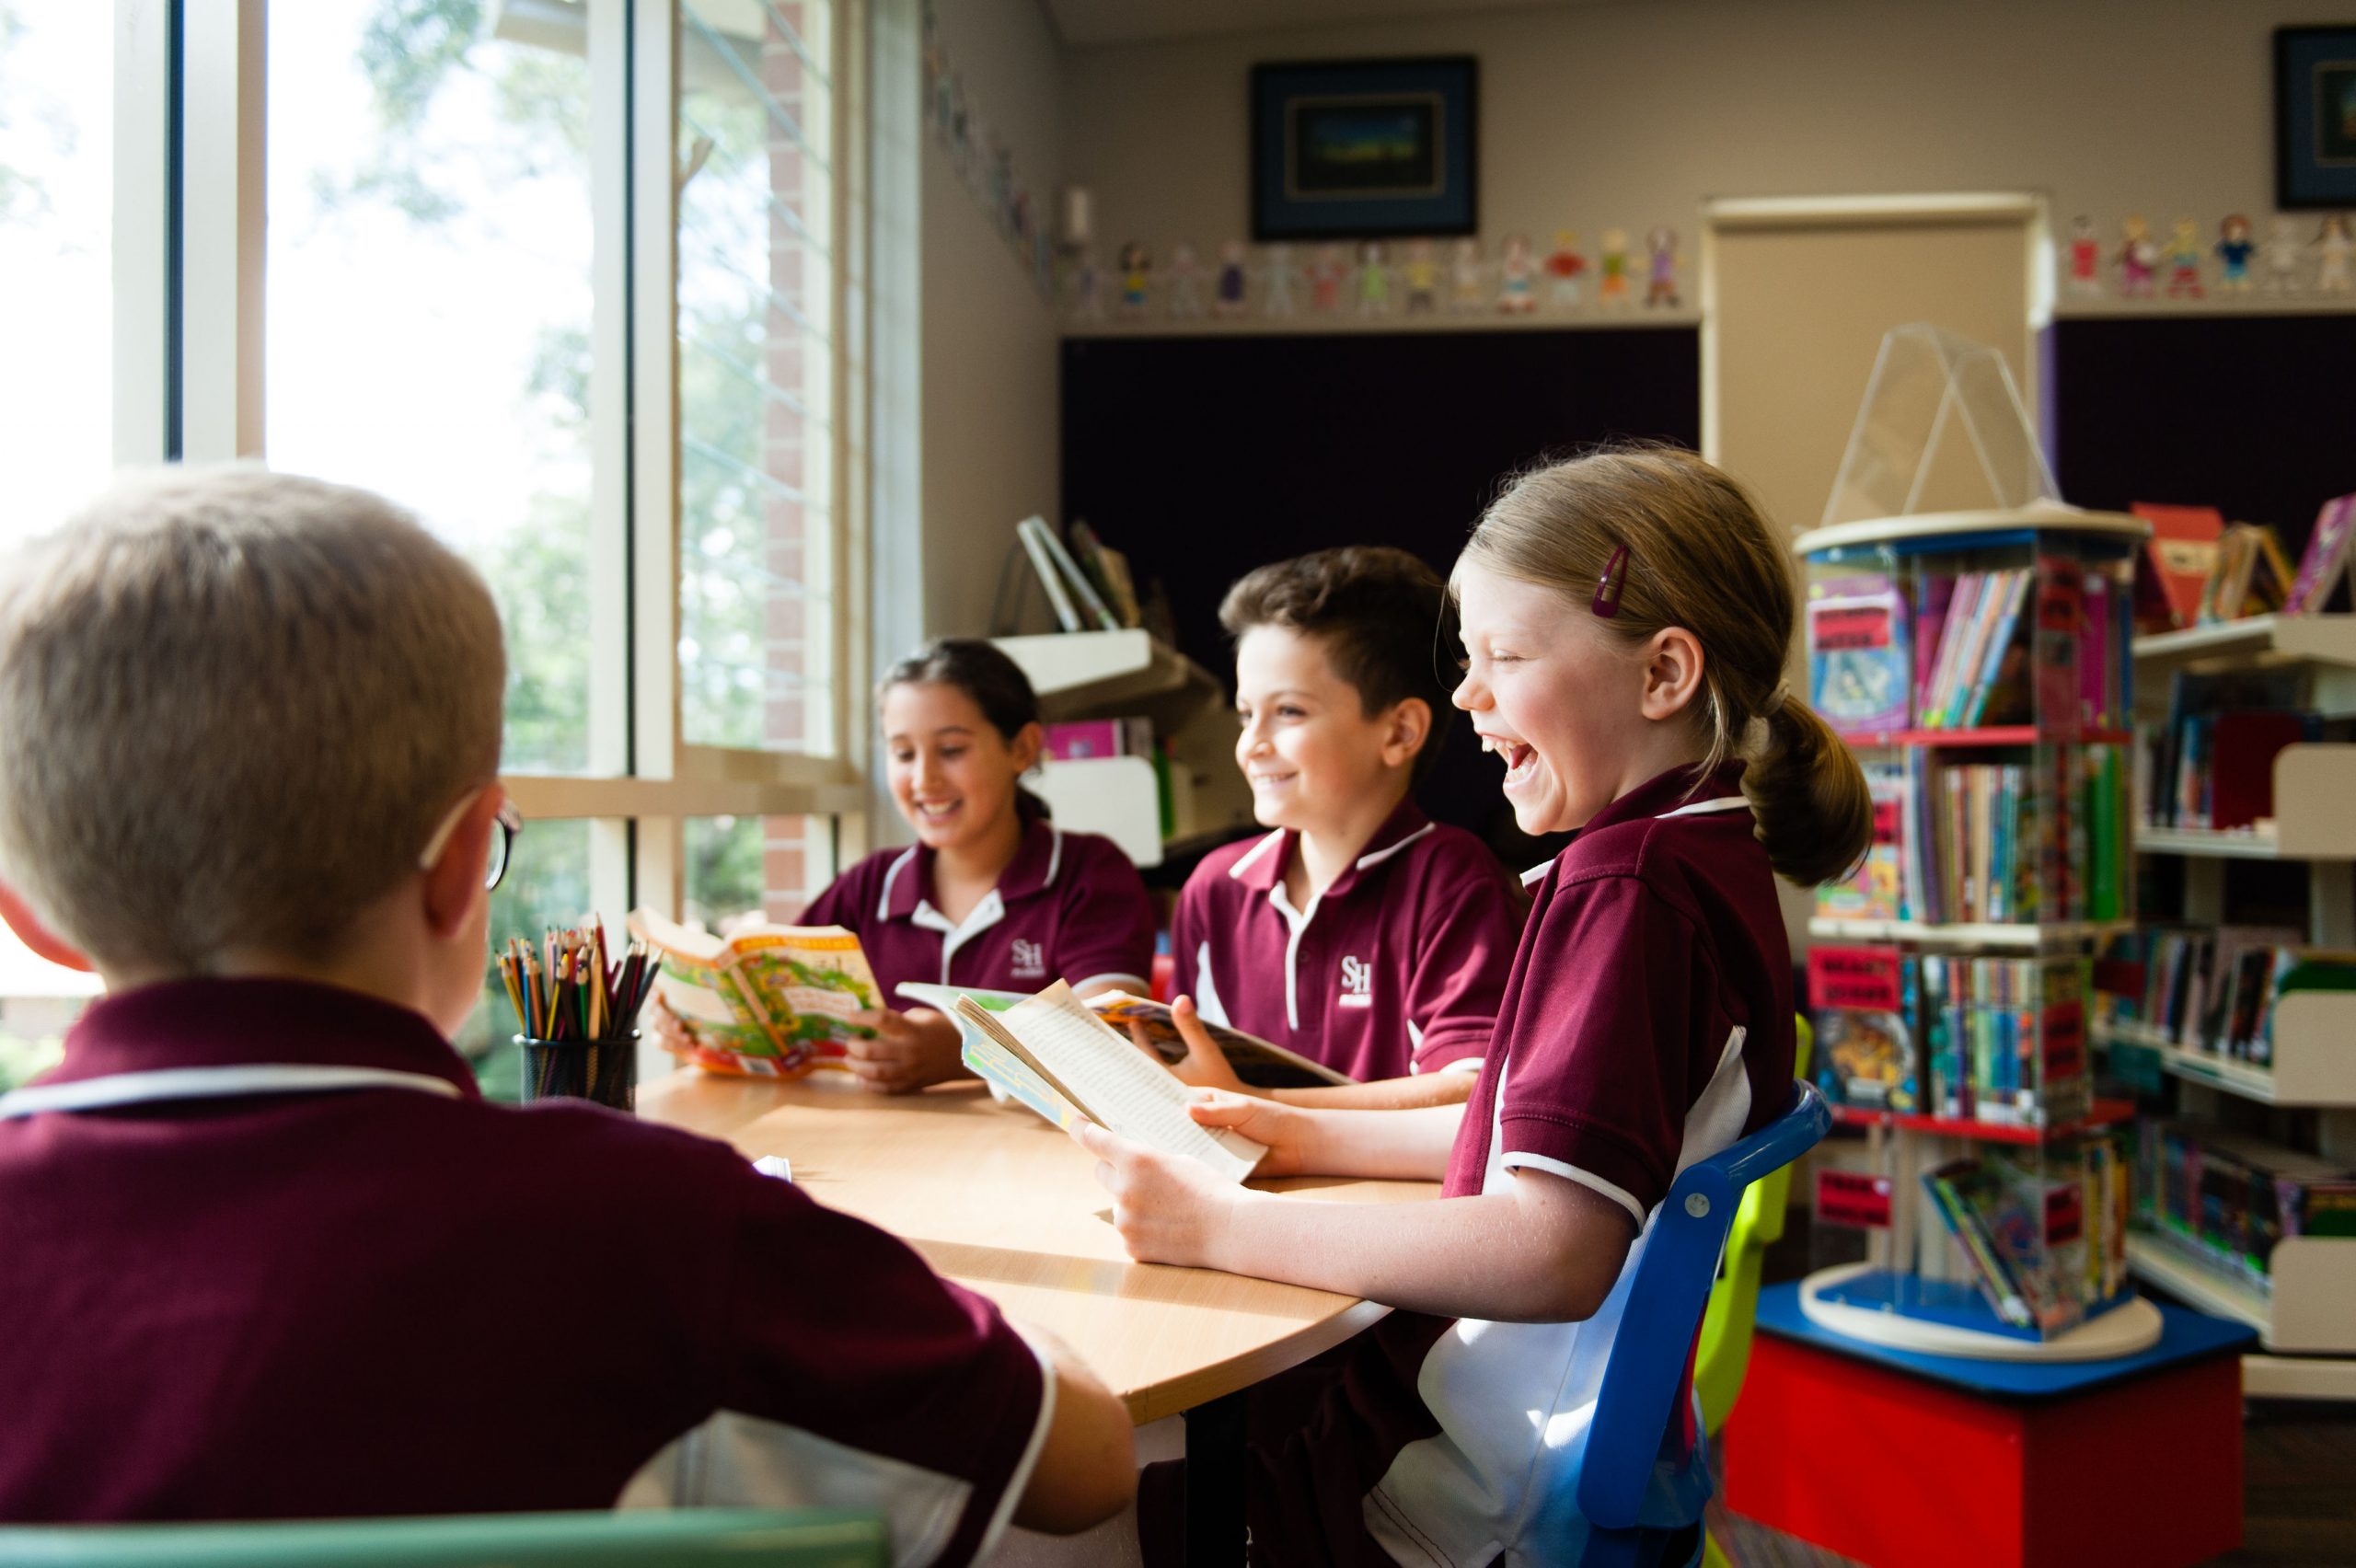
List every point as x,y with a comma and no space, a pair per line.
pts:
1262,1064
1060,1059
771,1000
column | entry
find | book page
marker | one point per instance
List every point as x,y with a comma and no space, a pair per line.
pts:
1118,1086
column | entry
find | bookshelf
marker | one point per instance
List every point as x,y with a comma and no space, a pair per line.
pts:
1978,663
2302,1097
1103,674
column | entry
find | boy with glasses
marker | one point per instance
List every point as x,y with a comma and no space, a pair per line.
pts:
268,1252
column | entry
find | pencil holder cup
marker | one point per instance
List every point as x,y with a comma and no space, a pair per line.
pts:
603,1071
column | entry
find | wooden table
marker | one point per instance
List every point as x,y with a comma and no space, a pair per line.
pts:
1006,1204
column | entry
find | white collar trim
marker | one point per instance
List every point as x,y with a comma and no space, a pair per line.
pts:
1243,862
884,902
1699,808
1387,851
211,1083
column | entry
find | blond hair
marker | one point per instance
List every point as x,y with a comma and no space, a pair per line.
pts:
1700,557
236,705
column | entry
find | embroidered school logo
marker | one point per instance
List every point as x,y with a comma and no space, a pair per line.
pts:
1030,960
1358,983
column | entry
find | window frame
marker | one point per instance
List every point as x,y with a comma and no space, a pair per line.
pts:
190,314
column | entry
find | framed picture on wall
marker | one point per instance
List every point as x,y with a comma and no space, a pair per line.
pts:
2315,117
1364,149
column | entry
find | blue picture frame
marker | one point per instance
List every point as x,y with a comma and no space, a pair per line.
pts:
2315,117
1364,149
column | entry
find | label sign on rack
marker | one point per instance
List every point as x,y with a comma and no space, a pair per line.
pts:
1863,977
1853,1197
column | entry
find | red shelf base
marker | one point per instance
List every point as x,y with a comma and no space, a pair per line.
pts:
1889,1468
2105,1113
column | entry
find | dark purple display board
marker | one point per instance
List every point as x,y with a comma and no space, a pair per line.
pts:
1204,456
2253,415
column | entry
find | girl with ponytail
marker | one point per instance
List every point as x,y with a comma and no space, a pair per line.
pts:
1626,618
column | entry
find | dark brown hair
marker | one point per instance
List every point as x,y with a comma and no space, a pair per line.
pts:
979,668
1378,612
1700,555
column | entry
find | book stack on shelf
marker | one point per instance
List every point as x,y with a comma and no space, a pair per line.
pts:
2228,1200
1989,707
2198,569
2213,990
1963,1038
2046,1244
2209,764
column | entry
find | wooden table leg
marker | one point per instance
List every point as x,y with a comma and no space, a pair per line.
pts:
1214,1462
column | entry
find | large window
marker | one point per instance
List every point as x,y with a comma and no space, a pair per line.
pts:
565,277
755,218
429,305
57,337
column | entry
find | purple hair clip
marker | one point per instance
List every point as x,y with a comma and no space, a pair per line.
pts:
1608,587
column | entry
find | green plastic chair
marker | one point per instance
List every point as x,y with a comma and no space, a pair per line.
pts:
695,1538
1724,1352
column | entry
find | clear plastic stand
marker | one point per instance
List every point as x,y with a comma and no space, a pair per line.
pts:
1935,401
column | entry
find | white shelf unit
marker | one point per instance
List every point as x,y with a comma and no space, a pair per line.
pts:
2314,782
2314,1053
2317,640
2306,1320
1106,675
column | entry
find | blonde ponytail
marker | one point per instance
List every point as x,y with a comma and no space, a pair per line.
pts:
1701,556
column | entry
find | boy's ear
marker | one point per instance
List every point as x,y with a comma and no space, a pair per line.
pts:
1405,731
454,882
1672,672
35,933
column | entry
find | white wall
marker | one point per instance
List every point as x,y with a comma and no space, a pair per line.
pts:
989,367
1631,113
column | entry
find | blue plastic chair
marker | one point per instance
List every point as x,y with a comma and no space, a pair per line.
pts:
687,1537
1672,1282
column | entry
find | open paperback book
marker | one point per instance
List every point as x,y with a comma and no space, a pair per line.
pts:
1054,1054
1260,1062
772,1001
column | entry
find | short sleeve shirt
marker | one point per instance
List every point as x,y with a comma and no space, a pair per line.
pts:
1069,906
1398,967
1661,1028
388,1296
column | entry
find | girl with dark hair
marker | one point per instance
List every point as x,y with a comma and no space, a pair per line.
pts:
992,894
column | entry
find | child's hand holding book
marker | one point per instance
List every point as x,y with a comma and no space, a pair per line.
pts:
1203,1066
910,1050
1172,1209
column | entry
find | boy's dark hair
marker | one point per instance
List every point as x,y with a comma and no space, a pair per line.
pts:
1381,611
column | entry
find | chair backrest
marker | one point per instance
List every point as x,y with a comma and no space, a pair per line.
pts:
1724,1353
1672,1280
692,1537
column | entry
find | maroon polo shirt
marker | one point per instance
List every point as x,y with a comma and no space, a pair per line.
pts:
1396,968
382,1299
1069,906
1656,937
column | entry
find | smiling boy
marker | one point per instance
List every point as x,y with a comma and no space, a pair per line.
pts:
1357,932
